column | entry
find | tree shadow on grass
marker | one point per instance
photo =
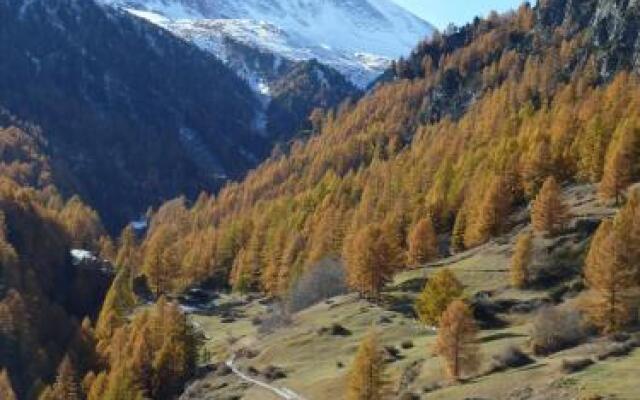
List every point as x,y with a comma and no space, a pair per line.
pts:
499,336
401,304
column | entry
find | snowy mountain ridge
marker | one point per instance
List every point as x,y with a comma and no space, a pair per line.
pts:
356,37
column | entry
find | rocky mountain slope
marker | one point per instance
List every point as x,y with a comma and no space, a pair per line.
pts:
307,86
356,37
127,106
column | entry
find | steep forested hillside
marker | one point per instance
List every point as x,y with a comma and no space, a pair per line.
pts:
307,86
480,134
66,331
461,137
130,113
43,297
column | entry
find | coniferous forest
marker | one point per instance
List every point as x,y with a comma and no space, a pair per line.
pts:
473,213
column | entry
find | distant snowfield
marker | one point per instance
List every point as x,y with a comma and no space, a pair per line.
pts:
357,37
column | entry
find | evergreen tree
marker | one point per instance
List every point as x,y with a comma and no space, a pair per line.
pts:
372,257
273,255
83,348
549,211
521,260
244,265
6,391
592,147
249,263
438,199
177,351
82,223
290,259
459,228
126,256
438,293
456,342
367,380
66,386
120,385
610,277
423,243
98,386
538,166
152,356
107,249
492,212
161,261
620,168
117,305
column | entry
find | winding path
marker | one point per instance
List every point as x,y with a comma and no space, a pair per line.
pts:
284,393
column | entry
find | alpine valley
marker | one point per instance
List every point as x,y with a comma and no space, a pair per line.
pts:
146,104
296,199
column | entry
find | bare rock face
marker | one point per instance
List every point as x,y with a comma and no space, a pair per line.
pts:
616,30
613,27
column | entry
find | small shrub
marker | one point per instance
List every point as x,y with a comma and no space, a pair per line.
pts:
278,316
616,350
432,387
247,353
322,281
222,370
392,354
590,397
556,294
406,345
273,373
576,365
510,357
555,329
620,337
335,330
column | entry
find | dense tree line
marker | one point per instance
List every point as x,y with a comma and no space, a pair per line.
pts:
380,176
383,184
367,378
612,272
153,356
49,348
40,308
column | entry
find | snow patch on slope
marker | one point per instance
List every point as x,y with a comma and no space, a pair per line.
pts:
357,37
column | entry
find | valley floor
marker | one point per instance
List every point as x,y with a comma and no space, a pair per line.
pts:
314,357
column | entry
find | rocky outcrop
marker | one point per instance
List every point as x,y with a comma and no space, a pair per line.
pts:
612,28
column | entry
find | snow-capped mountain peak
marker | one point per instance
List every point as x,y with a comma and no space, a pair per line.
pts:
356,37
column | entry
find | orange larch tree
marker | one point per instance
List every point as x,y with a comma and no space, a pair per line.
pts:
456,342
372,257
521,260
549,212
367,380
423,243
